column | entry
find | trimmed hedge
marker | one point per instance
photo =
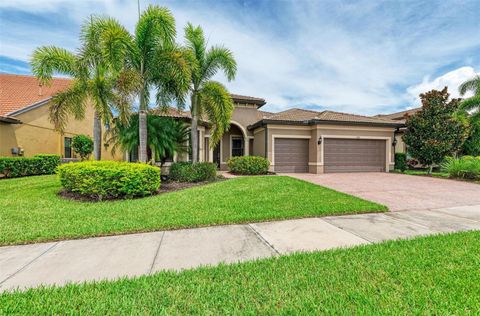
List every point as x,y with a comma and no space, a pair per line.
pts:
467,167
192,172
13,167
400,161
109,179
248,165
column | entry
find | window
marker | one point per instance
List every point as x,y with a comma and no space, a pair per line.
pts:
237,146
67,144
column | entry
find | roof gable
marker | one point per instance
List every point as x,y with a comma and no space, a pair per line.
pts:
18,92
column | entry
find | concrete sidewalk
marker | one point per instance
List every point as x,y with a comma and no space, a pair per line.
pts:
137,254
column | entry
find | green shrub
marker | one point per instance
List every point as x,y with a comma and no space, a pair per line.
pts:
82,145
192,172
13,167
464,168
400,161
248,165
109,179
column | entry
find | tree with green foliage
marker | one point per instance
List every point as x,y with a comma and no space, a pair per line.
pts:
82,145
471,147
151,53
166,136
209,98
96,81
435,131
471,109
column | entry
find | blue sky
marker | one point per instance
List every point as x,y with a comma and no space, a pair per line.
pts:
364,57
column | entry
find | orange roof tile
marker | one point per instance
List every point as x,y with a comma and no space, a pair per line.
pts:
20,91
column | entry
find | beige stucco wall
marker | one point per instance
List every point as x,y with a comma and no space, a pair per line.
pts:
36,134
245,115
259,142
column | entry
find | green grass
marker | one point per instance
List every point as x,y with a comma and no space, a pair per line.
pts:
31,211
438,275
435,174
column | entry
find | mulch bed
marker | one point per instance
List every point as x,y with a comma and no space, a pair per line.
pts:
165,187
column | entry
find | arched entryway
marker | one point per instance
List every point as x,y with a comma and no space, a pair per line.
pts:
234,142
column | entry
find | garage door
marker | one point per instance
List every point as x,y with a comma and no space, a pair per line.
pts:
354,155
291,155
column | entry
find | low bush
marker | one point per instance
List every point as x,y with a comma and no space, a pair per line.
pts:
467,167
109,179
13,167
400,161
248,165
192,172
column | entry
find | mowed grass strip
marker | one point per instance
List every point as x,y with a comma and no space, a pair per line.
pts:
437,275
31,211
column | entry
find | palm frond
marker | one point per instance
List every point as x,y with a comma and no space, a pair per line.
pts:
470,85
196,43
217,104
471,103
172,76
156,26
48,60
219,58
117,44
72,101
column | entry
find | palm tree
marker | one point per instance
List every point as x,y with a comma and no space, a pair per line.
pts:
152,54
473,103
95,82
209,98
166,136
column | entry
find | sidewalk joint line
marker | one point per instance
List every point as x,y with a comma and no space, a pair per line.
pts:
29,263
347,231
156,254
263,239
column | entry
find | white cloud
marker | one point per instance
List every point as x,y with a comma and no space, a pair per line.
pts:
357,57
452,80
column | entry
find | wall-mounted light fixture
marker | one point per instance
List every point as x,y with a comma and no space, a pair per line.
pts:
319,140
394,142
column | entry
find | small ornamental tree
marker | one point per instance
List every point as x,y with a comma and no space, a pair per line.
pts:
82,145
435,131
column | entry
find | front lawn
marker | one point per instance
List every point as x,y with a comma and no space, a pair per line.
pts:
31,211
437,275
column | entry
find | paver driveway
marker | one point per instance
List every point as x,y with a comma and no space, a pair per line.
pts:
399,191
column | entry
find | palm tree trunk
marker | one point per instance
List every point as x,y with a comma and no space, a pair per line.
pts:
142,132
194,133
97,137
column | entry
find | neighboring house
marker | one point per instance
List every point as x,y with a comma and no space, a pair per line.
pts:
25,128
298,140
400,146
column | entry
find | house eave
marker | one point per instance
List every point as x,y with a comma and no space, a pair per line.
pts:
264,122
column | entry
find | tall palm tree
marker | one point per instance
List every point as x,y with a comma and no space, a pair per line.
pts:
95,82
209,98
473,103
152,54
